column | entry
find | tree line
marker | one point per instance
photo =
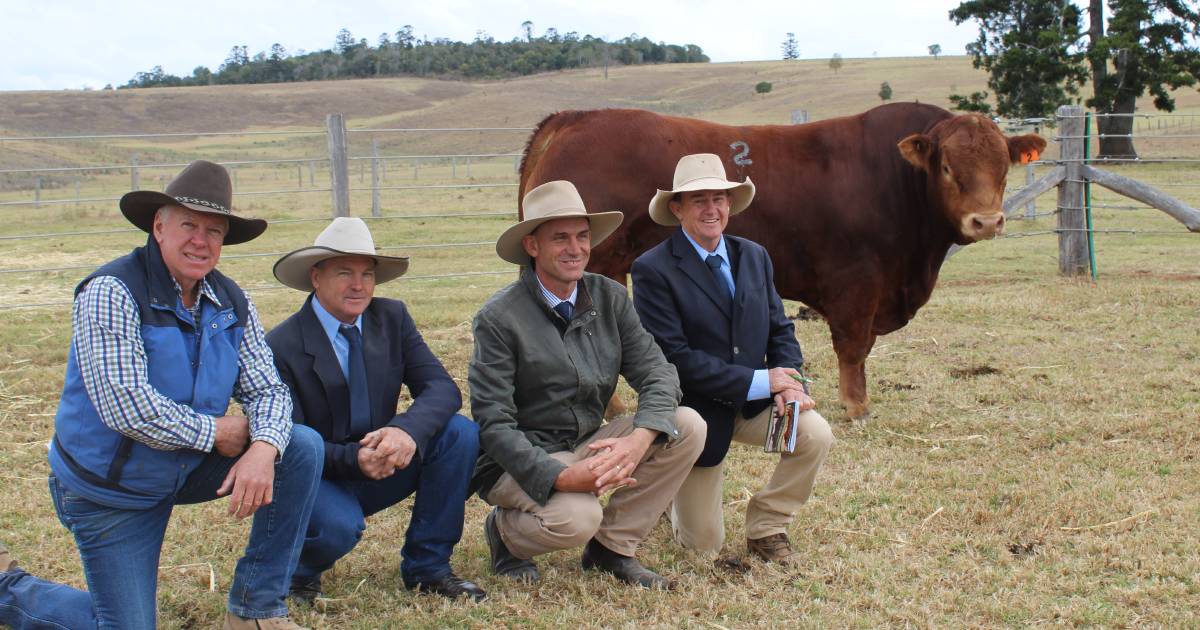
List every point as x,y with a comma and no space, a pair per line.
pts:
404,54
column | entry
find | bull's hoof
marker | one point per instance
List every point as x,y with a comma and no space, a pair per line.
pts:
861,420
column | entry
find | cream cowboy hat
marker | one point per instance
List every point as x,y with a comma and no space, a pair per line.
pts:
553,200
346,236
202,186
700,171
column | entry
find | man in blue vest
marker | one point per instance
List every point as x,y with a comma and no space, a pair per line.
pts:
161,342
346,355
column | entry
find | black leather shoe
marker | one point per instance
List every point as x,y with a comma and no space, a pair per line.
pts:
503,562
451,586
624,568
305,591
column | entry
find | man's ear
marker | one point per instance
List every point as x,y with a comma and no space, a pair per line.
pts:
917,149
1025,149
529,243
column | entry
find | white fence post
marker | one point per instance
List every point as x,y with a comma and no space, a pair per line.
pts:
1072,234
339,177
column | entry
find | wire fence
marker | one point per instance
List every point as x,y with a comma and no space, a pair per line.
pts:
284,168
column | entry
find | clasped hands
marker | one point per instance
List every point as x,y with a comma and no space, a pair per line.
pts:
609,466
787,387
384,450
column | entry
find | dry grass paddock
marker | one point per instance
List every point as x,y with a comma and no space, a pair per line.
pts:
1031,460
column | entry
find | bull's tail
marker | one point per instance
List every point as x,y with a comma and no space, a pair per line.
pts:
539,141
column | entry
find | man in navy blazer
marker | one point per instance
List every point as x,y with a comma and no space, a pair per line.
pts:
345,355
709,300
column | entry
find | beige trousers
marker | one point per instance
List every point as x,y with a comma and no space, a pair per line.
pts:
696,514
570,519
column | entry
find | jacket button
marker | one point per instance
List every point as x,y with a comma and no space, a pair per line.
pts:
214,325
735,350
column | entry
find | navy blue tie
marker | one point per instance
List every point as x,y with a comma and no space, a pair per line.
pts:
360,400
714,265
564,310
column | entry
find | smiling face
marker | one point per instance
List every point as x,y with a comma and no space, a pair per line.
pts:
190,242
703,214
560,249
344,285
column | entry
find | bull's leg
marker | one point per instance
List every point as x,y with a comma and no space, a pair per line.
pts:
852,350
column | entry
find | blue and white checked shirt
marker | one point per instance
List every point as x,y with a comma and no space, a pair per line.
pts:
112,360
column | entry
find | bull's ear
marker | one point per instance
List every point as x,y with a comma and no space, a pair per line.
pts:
1025,149
916,149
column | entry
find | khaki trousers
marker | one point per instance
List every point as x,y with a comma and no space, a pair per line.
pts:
571,519
696,515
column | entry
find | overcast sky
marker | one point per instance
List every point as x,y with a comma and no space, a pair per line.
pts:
69,44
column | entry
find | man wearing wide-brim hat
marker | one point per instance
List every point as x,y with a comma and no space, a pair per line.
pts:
709,300
346,355
548,350
161,342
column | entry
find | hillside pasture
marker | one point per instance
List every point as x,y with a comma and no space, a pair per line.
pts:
1031,460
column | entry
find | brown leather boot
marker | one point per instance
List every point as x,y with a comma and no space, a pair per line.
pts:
774,548
6,562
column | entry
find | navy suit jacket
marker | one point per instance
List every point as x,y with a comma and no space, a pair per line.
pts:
715,342
395,355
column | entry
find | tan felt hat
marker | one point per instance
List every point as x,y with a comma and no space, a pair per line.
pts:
346,236
553,200
700,171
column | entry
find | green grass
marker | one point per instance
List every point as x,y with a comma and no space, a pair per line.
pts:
1016,404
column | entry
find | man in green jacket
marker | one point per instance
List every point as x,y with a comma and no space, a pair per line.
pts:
548,350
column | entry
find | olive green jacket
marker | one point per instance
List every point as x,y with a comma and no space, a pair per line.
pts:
536,390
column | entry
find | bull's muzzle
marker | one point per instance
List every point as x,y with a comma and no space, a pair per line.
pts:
979,227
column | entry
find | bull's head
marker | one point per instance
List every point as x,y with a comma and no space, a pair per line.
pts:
966,160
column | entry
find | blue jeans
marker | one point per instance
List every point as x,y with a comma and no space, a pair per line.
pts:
439,479
120,549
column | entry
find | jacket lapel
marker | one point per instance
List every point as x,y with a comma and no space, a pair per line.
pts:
695,269
328,370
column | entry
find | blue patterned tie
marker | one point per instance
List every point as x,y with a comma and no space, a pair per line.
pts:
714,265
564,310
360,401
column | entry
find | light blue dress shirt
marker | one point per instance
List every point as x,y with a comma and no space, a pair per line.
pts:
760,385
331,324
554,300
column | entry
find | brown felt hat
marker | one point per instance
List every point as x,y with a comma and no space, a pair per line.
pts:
202,186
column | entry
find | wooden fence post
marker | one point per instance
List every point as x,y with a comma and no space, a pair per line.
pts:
1031,207
312,174
339,176
37,192
135,180
375,177
1072,234
76,192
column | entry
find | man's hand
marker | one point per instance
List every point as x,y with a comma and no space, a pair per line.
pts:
252,480
615,459
392,443
781,380
374,465
233,435
793,395
577,477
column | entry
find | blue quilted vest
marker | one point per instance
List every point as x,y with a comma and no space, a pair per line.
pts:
194,365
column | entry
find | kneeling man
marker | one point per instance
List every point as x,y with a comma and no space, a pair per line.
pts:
345,355
548,350
710,302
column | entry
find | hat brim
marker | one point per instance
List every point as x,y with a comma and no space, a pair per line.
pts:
740,196
510,248
140,206
292,269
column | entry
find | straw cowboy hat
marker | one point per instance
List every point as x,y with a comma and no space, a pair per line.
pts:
201,186
553,200
700,171
346,236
